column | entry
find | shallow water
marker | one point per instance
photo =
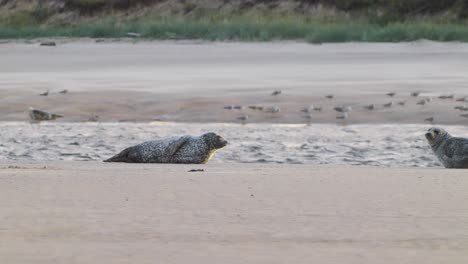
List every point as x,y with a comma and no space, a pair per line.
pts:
373,145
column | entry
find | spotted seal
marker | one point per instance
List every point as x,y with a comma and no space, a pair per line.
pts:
185,149
452,152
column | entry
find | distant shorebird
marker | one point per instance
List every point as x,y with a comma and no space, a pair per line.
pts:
46,93
402,103
429,119
415,94
388,105
343,109
391,94
447,96
93,118
370,107
463,99
243,118
343,116
39,115
277,92
308,109
422,102
63,91
273,109
238,107
254,107
229,107
461,108
330,96
318,109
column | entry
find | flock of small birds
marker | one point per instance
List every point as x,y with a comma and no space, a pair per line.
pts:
344,111
37,115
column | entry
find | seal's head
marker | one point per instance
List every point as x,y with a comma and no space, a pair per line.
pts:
214,140
435,135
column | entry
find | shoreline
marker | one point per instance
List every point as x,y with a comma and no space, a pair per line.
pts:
358,145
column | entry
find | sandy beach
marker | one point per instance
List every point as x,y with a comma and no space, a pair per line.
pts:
190,81
291,187
89,212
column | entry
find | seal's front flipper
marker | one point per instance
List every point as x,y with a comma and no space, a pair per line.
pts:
175,146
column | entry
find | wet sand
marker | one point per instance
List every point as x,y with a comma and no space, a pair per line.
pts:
318,144
192,81
88,212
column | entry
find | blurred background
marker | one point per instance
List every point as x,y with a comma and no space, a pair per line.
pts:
333,82
313,21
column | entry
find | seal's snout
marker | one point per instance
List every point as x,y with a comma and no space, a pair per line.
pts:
219,142
429,136
434,133
223,143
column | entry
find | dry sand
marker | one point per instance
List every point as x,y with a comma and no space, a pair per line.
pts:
193,81
87,212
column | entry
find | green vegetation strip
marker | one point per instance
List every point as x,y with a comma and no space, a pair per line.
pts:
248,30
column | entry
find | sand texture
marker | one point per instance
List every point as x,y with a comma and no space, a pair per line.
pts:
88,212
194,81
369,145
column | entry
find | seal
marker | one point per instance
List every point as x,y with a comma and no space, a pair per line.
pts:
37,115
185,149
452,152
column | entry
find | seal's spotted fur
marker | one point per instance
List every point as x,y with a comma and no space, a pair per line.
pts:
451,151
186,149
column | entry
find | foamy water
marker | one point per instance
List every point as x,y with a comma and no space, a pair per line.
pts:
373,145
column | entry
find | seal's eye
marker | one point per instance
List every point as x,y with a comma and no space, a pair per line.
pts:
436,132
